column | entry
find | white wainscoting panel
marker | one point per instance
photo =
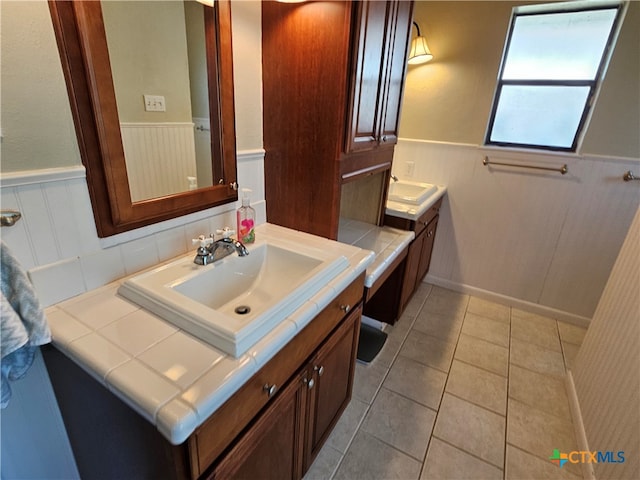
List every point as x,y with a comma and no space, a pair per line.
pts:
535,236
202,130
596,224
605,372
57,220
56,235
159,157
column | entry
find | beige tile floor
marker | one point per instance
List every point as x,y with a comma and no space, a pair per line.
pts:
463,389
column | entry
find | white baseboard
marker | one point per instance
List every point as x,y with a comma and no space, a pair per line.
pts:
588,473
511,301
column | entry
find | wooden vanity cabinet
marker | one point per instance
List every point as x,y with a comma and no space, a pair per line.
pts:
209,442
285,439
272,427
272,447
333,77
420,249
332,371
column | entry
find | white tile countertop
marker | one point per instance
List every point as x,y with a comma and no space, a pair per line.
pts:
169,377
386,243
413,212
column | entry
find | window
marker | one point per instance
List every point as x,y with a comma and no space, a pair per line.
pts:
554,59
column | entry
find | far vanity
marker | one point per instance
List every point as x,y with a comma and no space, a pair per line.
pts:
415,207
141,397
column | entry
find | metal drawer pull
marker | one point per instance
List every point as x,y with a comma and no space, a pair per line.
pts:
270,389
345,308
319,369
309,383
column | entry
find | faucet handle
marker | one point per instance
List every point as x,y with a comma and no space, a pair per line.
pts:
226,232
202,241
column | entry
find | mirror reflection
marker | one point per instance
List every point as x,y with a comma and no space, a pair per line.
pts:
157,52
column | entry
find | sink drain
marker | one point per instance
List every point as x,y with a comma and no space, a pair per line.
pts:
242,309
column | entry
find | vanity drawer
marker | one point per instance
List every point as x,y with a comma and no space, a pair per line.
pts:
426,217
216,433
416,225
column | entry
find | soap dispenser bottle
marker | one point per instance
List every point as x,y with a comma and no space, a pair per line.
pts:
246,217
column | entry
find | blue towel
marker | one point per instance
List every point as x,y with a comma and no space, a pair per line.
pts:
23,326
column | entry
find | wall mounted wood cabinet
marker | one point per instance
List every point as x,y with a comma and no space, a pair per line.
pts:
333,77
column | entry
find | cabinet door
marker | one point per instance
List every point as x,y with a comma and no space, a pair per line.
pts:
380,66
400,17
368,76
272,448
427,248
333,369
411,270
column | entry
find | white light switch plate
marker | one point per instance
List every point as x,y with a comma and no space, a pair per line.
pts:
154,103
409,169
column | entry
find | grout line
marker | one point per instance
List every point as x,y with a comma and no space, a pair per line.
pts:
538,457
457,447
369,405
408,398
506,412
444,388
406,454
480,367
475,404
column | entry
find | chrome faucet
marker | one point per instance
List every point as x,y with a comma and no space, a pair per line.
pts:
228,246
211,250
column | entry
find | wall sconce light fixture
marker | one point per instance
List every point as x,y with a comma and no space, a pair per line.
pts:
419,51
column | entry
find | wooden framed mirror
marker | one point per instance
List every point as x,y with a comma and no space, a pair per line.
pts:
81,36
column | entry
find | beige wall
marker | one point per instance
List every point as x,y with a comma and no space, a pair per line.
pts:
37,127
36,121
449,99
615,125
148,53
194,18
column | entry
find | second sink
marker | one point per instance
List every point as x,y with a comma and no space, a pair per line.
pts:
410,192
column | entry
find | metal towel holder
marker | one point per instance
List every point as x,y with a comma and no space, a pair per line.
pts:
8,218
563,169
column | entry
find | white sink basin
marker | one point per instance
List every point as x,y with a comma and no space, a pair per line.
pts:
410,192
234,302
